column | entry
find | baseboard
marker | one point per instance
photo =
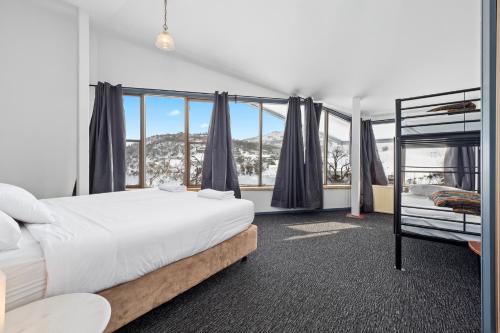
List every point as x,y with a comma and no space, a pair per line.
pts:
300,211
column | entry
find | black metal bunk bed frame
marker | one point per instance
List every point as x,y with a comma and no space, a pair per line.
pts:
464,137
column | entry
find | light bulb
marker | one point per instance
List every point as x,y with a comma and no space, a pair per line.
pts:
164,41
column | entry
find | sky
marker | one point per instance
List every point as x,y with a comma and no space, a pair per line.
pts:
166,115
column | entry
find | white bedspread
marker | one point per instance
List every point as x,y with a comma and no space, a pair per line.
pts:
100,241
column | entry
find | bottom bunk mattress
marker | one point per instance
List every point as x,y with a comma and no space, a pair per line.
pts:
428,219
100,241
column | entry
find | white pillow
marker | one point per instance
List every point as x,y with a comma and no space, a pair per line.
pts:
22,205
10,233
428,189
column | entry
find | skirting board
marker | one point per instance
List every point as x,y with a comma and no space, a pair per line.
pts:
132,299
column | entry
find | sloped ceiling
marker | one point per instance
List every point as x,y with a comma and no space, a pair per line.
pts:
331,50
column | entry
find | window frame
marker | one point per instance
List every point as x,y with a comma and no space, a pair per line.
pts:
187,142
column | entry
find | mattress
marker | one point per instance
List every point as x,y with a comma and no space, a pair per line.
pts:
443,213
25,272
102,240
441,123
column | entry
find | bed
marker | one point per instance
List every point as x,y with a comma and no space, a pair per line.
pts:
437,143
420,210
136,248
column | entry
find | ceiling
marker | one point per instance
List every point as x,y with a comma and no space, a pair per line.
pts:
330,50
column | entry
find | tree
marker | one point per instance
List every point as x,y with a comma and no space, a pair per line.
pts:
339,165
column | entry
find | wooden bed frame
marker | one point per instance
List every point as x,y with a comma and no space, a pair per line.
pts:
132,299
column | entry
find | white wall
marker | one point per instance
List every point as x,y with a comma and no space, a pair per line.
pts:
333,198
38,76
119,60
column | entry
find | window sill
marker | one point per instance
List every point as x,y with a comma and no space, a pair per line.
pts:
257,188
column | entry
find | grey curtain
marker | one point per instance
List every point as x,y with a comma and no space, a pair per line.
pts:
219,169
313,160
107,140
462,161
372,171
289,187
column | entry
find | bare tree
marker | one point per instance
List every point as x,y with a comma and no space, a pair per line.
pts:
339,165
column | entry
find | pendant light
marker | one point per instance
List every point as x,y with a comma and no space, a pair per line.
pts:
164,40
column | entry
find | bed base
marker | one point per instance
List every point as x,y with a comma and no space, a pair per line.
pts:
132,299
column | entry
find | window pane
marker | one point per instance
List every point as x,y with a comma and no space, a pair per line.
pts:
245,133
339,159
164,140
196,151
132,163
273,128
200,113
132,108
384,135
322,140
421,161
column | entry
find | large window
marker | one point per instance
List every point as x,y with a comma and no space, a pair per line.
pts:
167,135
338,156
200,113
132,109
164,146
384,136
273,128
246,143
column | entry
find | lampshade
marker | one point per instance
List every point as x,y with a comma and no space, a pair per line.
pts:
2,300
165,41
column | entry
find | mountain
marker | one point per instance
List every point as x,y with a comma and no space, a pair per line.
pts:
165,157
273,138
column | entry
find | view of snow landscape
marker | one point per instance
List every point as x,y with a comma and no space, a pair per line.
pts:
165,151
165,159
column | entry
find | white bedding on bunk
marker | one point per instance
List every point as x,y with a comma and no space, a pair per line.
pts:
24,269
102,240
439,121
408,199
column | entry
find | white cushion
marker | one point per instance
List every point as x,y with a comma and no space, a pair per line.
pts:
22,205
10,233
428,189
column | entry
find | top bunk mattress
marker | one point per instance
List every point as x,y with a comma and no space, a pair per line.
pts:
99,241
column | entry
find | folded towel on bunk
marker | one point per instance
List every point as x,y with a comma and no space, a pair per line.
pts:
460,201
456,107
172,187
214,194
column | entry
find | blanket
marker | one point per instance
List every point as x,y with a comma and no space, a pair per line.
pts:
456,107
460,201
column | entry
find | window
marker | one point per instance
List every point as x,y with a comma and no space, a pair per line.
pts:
200,113
418,163
167,135
384,136
246,141
132,109
164,143
273,129
338,157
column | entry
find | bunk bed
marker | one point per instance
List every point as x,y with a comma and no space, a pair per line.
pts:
429,129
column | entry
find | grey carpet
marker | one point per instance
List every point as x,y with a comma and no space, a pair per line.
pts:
323,272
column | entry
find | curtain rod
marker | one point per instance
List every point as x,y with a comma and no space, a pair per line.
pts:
243,98
184,93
